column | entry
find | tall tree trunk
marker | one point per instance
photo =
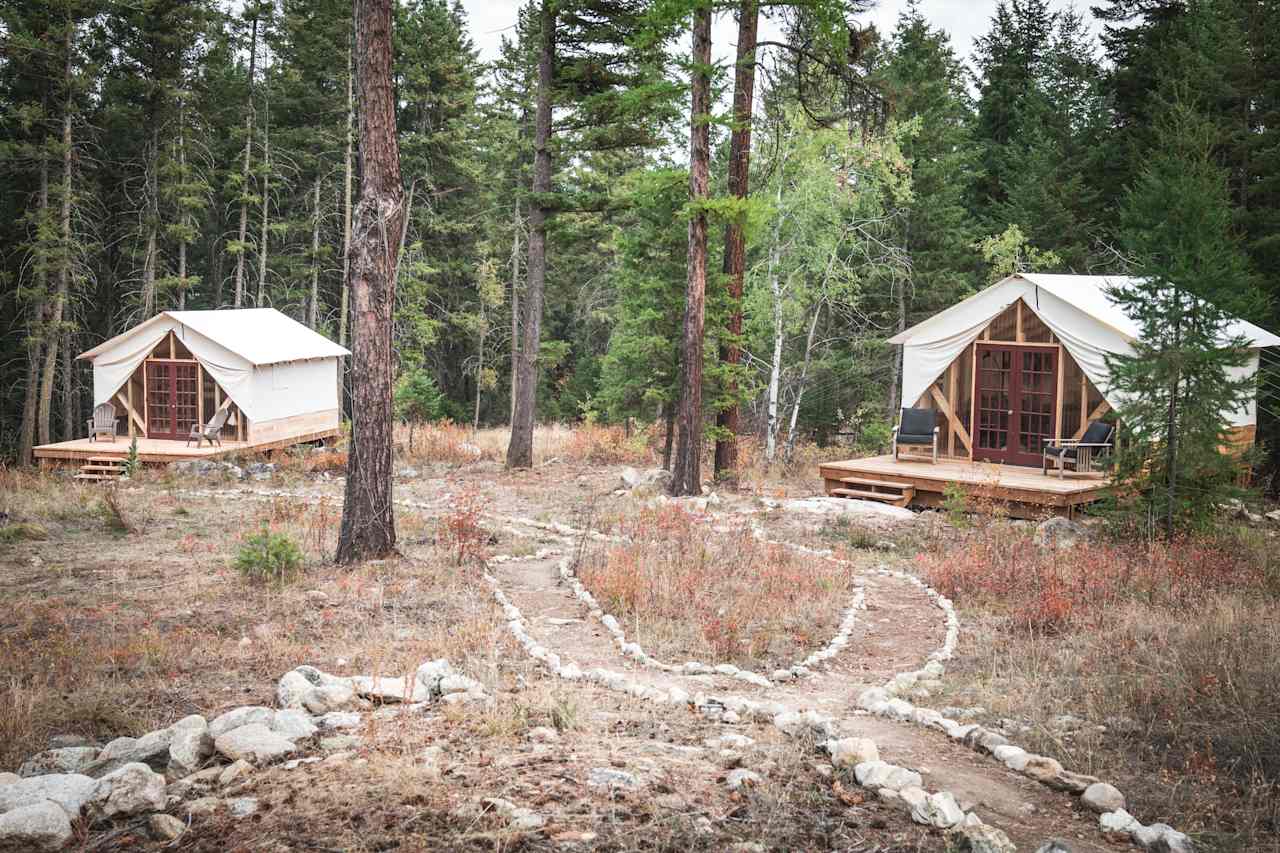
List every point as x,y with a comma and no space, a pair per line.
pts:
68,390
515,302
475,420
313,303
54,328
804,378
775,292
65,256
735,244
182,241
151,259
36,332
368,523
243,233
344,308
266,194
895,368
1171,432
668,439
686,469
520,449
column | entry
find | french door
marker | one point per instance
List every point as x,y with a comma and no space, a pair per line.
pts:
1015,402
172,398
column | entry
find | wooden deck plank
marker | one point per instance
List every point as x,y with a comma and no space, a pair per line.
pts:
164,450
1015,484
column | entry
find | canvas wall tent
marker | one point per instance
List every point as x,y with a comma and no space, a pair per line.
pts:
278,377
1025,360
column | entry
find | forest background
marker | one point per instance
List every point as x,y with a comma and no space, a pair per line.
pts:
189,154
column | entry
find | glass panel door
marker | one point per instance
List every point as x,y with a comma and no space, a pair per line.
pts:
185,398
160,399
993,399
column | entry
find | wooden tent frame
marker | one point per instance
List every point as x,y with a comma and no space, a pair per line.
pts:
170,350
949,393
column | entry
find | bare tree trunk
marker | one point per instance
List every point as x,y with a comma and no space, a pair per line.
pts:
313,303
515,302
344,309
669,419
244,171
54,331
266,195
36,330
368,522
475,420
520,449
151,259
182,241
67,391
775,291
686,470
895,370
804,378
1171,435
735,243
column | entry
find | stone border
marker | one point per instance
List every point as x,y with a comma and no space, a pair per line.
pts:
893,784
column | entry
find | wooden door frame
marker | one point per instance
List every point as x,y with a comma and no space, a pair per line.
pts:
175,434
1014,346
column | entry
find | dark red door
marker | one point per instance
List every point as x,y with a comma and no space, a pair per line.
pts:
172,404
1015,401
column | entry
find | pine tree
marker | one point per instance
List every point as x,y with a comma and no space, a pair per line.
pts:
1177,386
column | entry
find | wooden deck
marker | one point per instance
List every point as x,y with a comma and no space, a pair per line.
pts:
1025,491
163,450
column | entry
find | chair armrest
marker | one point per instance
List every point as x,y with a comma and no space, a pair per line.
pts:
936,430
895,429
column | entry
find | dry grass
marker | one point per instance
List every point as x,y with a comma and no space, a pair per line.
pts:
105,633
1174,650
685,591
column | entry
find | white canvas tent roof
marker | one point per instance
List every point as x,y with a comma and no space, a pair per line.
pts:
236,347
1076,308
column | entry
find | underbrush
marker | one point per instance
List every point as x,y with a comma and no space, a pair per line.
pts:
686,591
1169,653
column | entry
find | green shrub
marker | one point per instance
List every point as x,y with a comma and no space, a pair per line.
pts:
268,557
25,530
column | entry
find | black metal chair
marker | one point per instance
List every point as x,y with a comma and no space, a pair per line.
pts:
1079,454
917,428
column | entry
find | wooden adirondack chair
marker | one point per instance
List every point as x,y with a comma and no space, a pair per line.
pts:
211,431
103,422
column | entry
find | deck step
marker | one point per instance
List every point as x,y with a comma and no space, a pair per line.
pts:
107,460
867,496
882,484
108,468
89,476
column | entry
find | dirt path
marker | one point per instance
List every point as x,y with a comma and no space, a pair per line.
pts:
897,631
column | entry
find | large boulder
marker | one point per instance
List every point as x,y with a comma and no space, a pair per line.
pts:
69,790
1058,533
939,810
293,724
1102,798
41,826
132,789
255,743
71,759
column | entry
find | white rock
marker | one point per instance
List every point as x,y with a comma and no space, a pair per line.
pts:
237,717
239,807
911,796
132,789
234,771
607,777
293,724
1118,821
39,826
1101,798
192,721
458,684
851,751
71,759
69,790
430,673
165,827
939,810
979,838
339,720
190,747
1006,751
390,689
255,743
742,778
118,748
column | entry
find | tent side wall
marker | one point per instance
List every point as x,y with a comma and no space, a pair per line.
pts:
295,399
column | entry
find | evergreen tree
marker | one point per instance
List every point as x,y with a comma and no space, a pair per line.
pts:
1177,386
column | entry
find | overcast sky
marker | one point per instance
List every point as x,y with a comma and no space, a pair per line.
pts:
965,20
